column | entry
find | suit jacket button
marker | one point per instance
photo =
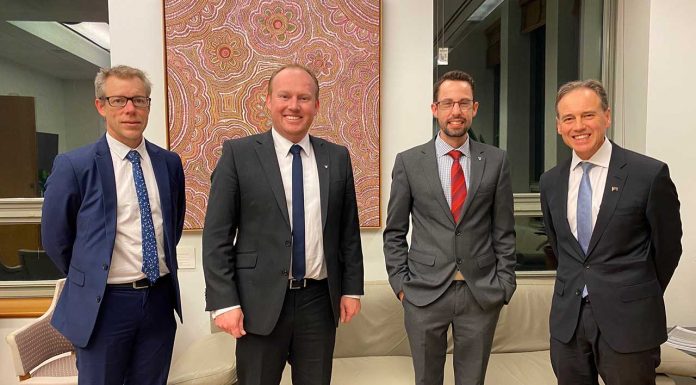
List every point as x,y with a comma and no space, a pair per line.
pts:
98,299
577,292
288,243
105,266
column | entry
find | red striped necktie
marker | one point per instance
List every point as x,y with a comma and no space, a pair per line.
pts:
458,185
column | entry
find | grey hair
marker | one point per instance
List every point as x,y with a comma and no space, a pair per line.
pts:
590,84
121,72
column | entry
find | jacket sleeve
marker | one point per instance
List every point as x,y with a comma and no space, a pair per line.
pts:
350,244
396,229
62,201
503,231
665,225
219,231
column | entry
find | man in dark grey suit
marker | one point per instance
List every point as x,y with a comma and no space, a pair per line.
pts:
459,269
281,243
612,218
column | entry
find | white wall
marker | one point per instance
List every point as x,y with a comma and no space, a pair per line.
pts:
671,131
406,120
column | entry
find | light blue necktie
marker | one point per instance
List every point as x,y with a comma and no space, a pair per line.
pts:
584,212
298,217
150,261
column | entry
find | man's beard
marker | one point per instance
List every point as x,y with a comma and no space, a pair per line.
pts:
455,133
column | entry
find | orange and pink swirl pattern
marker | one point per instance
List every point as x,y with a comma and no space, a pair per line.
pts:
220,54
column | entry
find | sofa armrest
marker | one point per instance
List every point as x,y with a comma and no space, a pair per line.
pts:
676,362
210,360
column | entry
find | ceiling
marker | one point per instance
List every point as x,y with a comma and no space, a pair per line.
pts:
27,50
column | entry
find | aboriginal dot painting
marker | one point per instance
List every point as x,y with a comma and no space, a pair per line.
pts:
220,54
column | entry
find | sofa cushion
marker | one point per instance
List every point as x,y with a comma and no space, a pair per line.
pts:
533,368
208,361
378,330
523,325
676,362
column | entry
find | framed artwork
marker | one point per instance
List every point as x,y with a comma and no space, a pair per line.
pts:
219,56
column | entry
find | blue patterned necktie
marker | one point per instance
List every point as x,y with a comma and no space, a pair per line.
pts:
298,219
150,261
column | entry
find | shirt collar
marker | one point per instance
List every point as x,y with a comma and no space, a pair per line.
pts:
442,148
600,158
121,150
282,145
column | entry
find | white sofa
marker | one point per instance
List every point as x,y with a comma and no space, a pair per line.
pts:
373,348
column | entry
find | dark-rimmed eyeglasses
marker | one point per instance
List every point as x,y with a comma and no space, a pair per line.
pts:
448,104
121,101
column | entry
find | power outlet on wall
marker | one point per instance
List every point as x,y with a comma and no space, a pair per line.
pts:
186,257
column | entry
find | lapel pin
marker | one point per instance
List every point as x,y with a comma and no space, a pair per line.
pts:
614,188
478,157
326,166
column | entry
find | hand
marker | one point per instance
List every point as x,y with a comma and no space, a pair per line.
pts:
350,307
232,322
401,296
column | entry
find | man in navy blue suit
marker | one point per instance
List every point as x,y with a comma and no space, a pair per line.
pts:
113,213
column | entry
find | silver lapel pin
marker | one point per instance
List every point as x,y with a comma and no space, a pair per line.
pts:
478,157
326,166
614,188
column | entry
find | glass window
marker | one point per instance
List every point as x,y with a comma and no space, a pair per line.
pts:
519,52
48,59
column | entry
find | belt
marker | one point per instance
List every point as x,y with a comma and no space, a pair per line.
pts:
139,284
296,284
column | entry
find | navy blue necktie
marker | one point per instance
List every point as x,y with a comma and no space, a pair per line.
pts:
298,219
584,212
150,261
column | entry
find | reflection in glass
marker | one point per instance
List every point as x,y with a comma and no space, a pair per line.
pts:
47,90
533,250
519,52
22,257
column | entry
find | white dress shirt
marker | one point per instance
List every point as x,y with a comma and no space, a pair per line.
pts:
314,240
598,180
127,256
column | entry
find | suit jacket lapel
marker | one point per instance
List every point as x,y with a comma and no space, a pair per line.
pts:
477,166
105,167
159,167
616,177
269,163
323,168
432,176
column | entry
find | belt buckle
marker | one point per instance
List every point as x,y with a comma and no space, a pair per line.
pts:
141,284
297,284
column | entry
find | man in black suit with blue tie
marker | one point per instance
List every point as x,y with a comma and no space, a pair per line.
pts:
612,218
113,213
281,241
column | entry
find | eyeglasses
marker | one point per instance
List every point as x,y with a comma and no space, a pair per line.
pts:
447,104
121,101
